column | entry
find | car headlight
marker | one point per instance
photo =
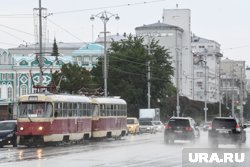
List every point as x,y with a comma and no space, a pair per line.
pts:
10,135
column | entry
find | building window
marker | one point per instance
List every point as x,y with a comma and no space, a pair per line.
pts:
86,60
0,93
199,84
3,76
23,90
201,46
9,93
9,76
94,60
199,74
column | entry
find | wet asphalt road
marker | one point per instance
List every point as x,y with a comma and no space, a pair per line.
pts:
131,151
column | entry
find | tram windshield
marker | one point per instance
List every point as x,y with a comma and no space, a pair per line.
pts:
35,110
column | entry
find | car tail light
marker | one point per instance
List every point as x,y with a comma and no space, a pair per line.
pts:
237,127
188,128
168,127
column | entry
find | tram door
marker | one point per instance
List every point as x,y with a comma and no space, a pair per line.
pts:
95,118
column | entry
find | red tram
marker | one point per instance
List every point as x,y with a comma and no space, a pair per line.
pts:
50,118
112,118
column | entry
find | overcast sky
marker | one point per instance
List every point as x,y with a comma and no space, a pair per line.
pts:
225,21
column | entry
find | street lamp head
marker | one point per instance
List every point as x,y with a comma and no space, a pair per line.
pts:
117,17
106,19
92,18
102,17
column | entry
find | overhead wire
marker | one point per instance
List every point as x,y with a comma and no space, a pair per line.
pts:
14,36
65,30
108,7
16,30
138,74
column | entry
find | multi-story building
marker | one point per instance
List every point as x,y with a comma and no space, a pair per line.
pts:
182,18
248,79
206,77
233,82
170,37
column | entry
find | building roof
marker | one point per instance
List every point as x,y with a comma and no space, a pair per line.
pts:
110,38
90,48
158,25
60,45
202,40
32,57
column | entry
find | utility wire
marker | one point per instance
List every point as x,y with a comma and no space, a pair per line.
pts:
138,74
109,7
65,30
16,30
14,36
237,47
144,64
5,43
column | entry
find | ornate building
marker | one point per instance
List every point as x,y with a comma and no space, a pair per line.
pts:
18,75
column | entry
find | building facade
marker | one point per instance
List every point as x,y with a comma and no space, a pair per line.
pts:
206,76
233,82
170,37
18,75
182,18
87,56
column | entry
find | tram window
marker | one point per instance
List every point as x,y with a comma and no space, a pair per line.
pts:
58,109
74,110
70,113
79,109
48,112
84,109
88,109
102,110
95,111
84,113
65,111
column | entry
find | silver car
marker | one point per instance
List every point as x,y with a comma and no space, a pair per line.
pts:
158,125
147,127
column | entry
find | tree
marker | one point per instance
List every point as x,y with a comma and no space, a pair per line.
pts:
127,73
55,49
72,78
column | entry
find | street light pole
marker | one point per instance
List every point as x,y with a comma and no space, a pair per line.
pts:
205,91
219,91
177,85
40,44
105,16
241,95
233,91
149,85
105,60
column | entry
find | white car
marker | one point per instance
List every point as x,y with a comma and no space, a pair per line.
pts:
158,125
147,127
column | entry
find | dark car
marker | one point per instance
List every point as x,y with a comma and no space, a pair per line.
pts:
8,133
181,128
226,130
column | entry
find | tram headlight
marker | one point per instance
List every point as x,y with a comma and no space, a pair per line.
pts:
40,128
21,128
